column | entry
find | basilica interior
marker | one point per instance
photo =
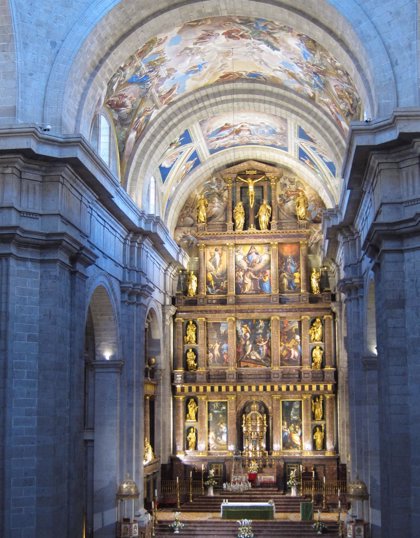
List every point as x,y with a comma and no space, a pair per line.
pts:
209,264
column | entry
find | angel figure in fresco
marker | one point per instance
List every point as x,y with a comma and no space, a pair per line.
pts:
301,206
251,190
239,216
191,360
191,333
192,438
317,354
192,284
317,407
202,205
315,332
315,280
263,215
319,438
192,410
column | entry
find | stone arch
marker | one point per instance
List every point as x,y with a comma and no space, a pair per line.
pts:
77,79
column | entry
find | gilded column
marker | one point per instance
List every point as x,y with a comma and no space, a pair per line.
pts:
202,269
303,271
275,269
275,342
179,344
306,355
276,425
179,411
274,213
330,423
307,423
232,434
232,342
328,341
229,220
231,272
202,425
202,344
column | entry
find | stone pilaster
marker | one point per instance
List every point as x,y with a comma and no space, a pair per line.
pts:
179,422
276,424
202,269
179,344
275,342
231,272
232,434
306,355
303,267
328,341
274,271
232,346
202,437
307,423
330,423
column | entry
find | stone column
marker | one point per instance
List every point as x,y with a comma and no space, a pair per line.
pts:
274,271
232,433
179,421
307,423
276,424
147,417
202,437
179,345
229,208
202,349
306,354
274,209
231,273
330,424
232,348
303,267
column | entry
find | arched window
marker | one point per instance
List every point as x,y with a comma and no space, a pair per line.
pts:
102,139
152,196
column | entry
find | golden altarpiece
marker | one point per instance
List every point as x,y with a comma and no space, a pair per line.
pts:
254,355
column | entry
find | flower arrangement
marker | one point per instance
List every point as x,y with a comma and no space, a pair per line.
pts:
292,479
177,524
319,527
211,481
245,528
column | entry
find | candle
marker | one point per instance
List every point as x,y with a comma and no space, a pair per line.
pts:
177,480
323,479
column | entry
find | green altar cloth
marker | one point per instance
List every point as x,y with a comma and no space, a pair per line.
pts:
247,510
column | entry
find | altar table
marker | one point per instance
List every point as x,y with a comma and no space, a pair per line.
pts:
248,510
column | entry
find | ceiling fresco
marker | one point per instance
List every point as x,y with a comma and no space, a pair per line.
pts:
227,130
218,49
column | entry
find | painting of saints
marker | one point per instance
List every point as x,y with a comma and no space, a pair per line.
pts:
252,269
253,343
291,425
289,267
290,343
217,425
216,270
217,344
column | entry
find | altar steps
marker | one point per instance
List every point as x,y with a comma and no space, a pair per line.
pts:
262,529
283,503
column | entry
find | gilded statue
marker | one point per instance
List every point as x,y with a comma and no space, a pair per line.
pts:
315,332
192,410
191,333
315,280
263,215
319,438
318,407
192,438
251,190
192,284
301,204
317,354
239,216
191,360
202,205
148,451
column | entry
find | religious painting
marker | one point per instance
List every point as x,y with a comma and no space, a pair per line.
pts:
290,343
291,431
217,425
246,128
217,344
253,343
252,269
172,153
216,270
289,267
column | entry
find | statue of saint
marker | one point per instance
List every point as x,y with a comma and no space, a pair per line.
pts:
315,279
319,438
191,333
251,190
191,360
192,410
202,205
263,215
192,284
148,451
317,407
317,354
301,204
239,216
192,438
315,332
